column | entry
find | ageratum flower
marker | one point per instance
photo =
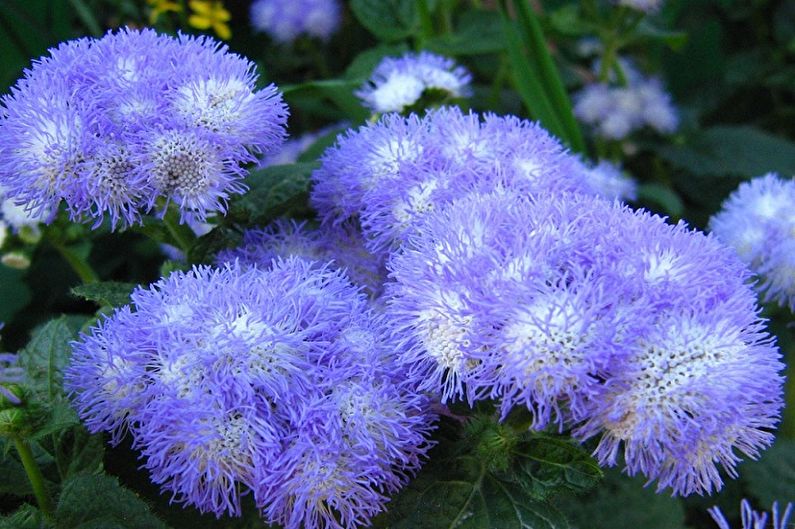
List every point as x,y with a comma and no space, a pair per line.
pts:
286,20
242,380
699,382
606,179
398,83
343,245
617,111
758,222
395,171
752,519
114,127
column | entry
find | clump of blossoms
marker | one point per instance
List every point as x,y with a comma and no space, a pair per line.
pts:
615,112
758,221
277,382
391,173
606,179
341,246
595,317
117,127
398,83
752,519
286,20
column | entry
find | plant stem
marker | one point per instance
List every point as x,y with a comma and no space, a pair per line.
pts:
426,23
180,233
78,264
34,475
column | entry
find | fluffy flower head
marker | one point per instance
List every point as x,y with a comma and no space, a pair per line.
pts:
286,20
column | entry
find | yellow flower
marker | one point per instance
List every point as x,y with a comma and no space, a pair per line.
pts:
210,14
162,6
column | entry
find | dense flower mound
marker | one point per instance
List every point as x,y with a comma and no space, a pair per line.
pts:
752,519
390,174
397,83
286,20
615,112
758,221
595,317
341,246
116,126
280,383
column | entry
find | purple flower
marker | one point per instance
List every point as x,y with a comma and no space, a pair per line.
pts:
752,519
132,120
241,380
395,171
286,20
593,316
398,83
343,245
606,179
757,221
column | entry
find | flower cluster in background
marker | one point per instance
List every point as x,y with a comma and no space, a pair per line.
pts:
615,112
758,221
286,20
399,83
647,6
118,126
752,519
280,382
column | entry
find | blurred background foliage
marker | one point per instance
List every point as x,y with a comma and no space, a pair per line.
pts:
729,64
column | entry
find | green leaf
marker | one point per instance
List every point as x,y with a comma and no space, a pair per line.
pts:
661,197
46,356
110,293
673,39
772,478
274,191
732,151
477,33
26,517
460,493
387,19
620,501
78,452
546,465
363,64
14,292
98,501
15,480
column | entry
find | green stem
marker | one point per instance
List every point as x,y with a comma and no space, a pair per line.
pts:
34,475
179,232
78,264
426,22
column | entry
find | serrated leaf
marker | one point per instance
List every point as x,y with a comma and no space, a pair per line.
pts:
772,478
46,356
621,501
460,493
273,192
100,501
732,151
387,19
26,517
546,465
110,293
78,452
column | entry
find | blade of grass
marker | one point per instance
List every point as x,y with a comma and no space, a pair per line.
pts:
527,84
544,66
87,17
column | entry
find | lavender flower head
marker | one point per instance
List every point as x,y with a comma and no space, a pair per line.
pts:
752,519
615,112
393,172
607,180
286,20
134,120
233,381
757,221
594,316
398,83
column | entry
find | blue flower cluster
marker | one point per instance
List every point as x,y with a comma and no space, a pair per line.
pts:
758,221
615,112
752,519
286,20
398,83
511,281
117,126
280,383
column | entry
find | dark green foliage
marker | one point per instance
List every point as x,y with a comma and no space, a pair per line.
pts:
106,293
